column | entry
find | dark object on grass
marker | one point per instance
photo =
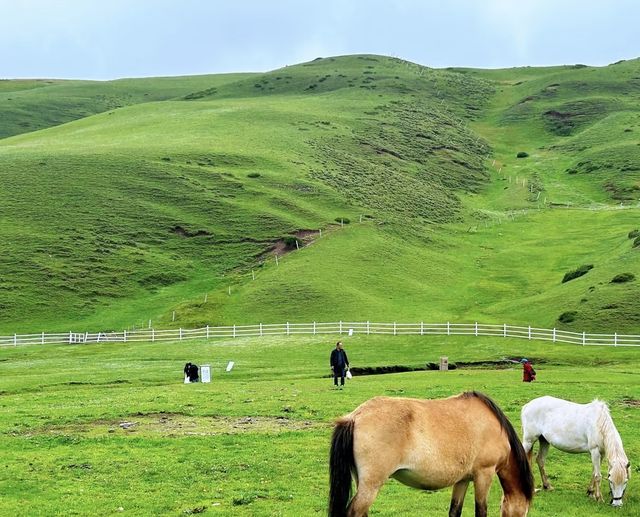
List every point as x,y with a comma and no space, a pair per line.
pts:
622,278
191,372
576,273
253,175
291,242
633,234
567,317
522,154
342,220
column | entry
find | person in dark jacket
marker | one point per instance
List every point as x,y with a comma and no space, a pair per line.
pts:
193,373
528,373
339,364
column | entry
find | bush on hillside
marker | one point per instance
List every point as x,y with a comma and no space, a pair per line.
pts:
636,242
522,154
622,278
341,220
633,234
253,175
291,242
567,317
576,273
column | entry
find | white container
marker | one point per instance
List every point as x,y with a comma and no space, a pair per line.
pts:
205,373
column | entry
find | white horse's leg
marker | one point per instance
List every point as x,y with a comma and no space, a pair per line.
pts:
542,454
527,443
594,487
457,498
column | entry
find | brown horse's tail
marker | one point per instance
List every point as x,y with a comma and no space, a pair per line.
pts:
341,463
517,450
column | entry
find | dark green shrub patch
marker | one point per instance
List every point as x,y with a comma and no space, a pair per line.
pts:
622,278
567,317
633,234
253,175
522,154
636,242
576,273
291,242
342,220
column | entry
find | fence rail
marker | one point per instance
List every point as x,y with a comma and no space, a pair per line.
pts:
314,328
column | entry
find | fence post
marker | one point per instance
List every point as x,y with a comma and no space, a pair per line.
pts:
448,329
476,328
422,328
340,326
124,334
314,328
287,328
180,333
43,338
584,338
368,327
15,340
153,335
615,339
207,331
394,328
234,331
554,335
260,329
529,331
70,337
504,333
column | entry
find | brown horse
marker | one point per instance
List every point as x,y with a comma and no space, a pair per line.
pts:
428,444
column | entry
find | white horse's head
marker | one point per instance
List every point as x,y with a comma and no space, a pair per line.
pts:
618,478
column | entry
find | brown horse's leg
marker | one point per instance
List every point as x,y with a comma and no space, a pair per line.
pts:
365,495
542,454
481,485
457,498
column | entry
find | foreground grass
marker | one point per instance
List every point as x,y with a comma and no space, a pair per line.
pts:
255,441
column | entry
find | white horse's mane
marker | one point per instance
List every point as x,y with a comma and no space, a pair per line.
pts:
610,436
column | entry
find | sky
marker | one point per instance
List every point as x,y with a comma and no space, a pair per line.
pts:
108,39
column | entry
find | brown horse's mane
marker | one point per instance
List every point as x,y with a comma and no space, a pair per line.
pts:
524,470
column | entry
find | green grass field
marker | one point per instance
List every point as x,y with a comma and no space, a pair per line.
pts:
255,441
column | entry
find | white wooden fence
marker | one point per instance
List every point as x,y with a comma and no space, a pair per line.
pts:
341,327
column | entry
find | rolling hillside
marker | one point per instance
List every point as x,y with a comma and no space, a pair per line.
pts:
138,200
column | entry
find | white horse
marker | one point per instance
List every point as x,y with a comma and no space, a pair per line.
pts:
575,428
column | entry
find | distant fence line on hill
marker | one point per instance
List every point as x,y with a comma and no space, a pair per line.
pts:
315,328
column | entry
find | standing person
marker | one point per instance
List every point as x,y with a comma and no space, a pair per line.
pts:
186,373
339,363
528,373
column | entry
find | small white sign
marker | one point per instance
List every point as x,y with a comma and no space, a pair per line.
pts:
230,366
205,373
350,332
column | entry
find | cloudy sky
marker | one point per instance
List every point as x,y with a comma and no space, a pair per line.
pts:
104,39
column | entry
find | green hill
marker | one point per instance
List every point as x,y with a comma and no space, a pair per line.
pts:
30,105
151,196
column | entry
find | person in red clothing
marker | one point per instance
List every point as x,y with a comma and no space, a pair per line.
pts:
528,373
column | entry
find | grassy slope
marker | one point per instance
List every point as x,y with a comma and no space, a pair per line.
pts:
120,183
29,105
335,138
